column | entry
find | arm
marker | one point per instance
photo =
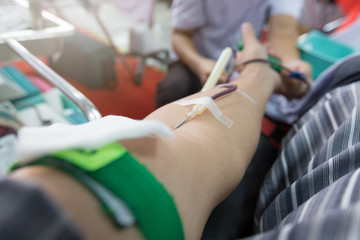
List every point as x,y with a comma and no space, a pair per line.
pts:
283,39
187,53
283,36
184,47
199,167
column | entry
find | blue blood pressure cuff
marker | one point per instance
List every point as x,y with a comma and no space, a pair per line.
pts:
129,193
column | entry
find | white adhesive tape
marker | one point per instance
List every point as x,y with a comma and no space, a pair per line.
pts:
247,96
211,105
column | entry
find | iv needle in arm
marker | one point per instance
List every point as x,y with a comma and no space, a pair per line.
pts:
210,82
197,110
181,123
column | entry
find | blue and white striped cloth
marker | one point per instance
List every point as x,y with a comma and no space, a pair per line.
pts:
313,189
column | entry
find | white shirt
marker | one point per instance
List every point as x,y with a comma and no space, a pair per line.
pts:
218,22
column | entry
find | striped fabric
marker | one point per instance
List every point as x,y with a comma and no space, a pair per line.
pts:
313,189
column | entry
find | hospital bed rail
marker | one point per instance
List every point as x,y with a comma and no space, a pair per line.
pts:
28,43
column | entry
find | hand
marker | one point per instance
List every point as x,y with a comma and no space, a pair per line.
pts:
253,49
293,88
204,68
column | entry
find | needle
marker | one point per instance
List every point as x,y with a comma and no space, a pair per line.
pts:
197,110
201,107
181,123
210,82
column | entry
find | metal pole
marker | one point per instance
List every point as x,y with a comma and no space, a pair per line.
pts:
85,105
36,9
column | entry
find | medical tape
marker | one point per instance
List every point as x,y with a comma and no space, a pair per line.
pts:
247,96
211,105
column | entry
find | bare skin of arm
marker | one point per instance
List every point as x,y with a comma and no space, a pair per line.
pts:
187,53
283,36
199,167
283,39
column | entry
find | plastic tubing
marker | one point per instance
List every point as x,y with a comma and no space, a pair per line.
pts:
218,69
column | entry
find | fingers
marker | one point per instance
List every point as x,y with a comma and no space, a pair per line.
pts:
248,34
293,88
272,53
223,77
204,68
252,47
303,67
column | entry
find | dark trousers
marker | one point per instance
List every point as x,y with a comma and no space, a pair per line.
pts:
179,82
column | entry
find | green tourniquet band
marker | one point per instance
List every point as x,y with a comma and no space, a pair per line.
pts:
91,160
114,168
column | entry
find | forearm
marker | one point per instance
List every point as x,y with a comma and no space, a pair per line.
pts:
283,36
198,167
207,160
283,40
185,49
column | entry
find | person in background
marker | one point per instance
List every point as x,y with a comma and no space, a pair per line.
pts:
202,29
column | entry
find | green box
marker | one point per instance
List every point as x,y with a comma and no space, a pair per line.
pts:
321,51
